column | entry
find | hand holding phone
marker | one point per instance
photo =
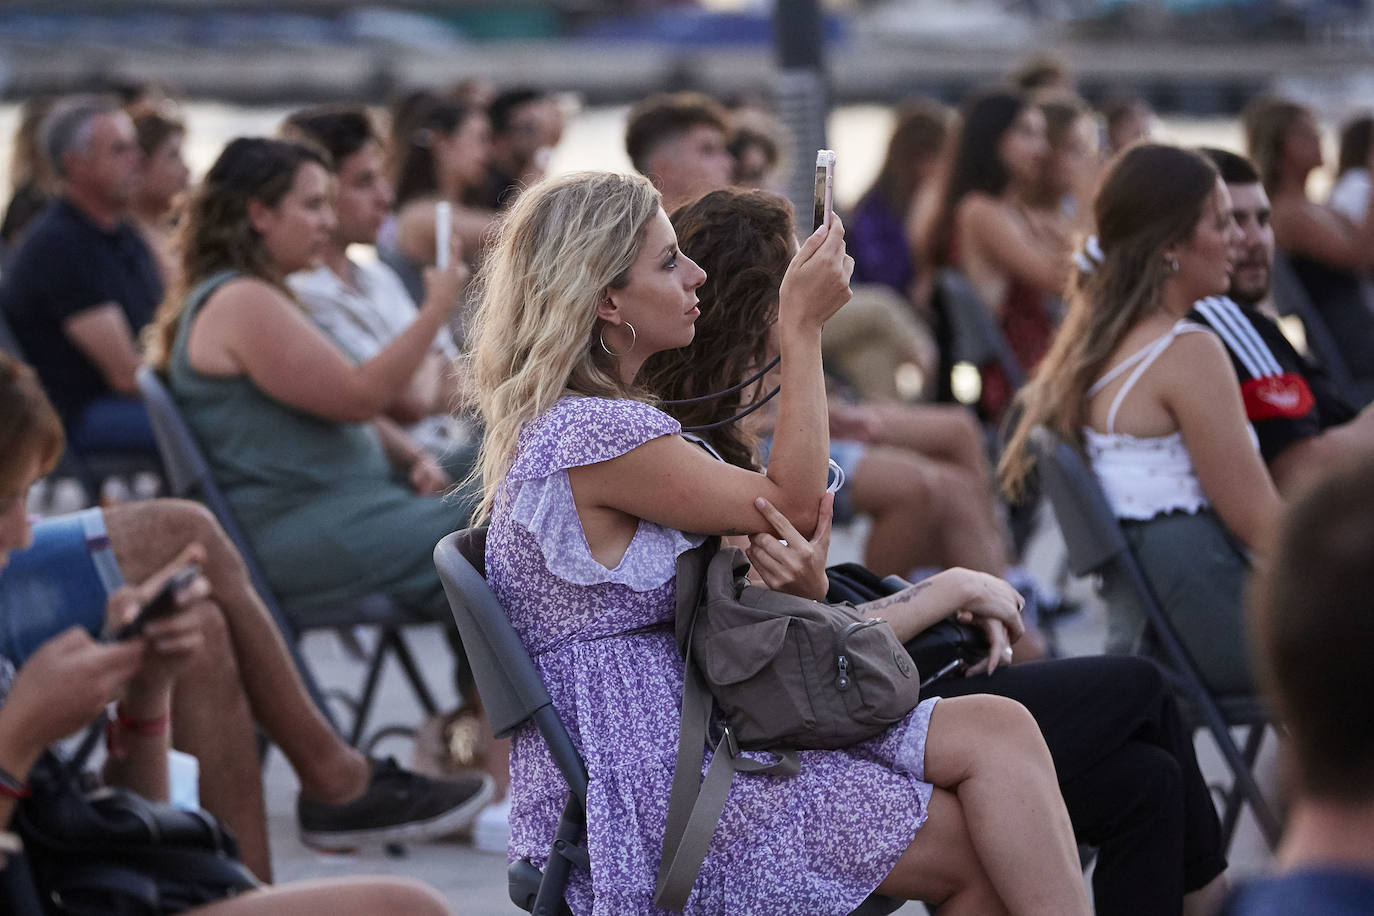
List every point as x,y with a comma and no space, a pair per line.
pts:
825,188
163,604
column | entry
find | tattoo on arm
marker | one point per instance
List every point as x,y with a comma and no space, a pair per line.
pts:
872,607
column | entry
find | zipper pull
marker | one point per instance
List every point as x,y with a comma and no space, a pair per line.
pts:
842,682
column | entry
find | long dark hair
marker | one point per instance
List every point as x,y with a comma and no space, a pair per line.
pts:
976,163
1357,136
922,127
419,122
744,242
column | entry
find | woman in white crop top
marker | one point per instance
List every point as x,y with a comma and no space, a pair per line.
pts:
1153,401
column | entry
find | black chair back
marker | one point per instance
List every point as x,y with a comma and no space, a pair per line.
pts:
1291,298
189,477
975,335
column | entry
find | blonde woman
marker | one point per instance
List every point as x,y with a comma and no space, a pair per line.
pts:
1153,401
591,492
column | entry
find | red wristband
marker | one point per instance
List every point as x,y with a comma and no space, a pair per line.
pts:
144,728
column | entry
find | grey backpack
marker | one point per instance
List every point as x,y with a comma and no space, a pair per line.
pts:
786,673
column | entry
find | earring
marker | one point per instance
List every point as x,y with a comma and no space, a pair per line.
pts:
633,338
1173,263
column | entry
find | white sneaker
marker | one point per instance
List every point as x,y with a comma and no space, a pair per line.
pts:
491,830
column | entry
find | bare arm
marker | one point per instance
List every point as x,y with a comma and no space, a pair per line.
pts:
674,483
425,393
103,334
423,471
1041,261
415,229
1324,234
1302,460
249,327
1200,389
787,562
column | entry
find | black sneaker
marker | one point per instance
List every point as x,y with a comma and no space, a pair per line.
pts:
397,806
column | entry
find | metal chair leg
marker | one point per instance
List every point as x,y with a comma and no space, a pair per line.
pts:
1235,799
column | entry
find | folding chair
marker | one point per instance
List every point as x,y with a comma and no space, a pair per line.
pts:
1095,544
975,335
513,694
188,476
1292,298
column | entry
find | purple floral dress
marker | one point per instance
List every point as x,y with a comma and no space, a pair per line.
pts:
816,843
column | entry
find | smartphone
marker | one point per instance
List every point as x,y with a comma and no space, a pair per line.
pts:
825,188
162,604
443,230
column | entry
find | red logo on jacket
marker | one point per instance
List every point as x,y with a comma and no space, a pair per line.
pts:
1277,397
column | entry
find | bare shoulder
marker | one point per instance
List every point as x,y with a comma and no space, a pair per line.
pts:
977,209
247,293
1196,357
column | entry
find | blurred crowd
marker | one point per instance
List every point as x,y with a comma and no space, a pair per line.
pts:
309,303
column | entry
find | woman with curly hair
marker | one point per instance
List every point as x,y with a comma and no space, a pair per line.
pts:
280,412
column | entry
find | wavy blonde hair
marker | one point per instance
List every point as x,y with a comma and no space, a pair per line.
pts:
534,336
1151,197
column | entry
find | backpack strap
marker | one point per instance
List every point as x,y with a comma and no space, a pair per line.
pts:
694,807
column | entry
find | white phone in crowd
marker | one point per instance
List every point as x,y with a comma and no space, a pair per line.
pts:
825,188
443,230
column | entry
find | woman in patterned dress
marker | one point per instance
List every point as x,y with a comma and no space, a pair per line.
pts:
590,491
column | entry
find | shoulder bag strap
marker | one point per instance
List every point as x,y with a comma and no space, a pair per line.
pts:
694,807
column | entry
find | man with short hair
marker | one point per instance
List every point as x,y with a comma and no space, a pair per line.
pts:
1303,423
525,125
362,306
1311,630
679,141
83,282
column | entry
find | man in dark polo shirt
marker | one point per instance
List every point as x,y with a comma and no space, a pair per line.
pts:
83,282
1303,424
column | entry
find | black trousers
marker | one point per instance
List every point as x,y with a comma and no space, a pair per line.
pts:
1127,771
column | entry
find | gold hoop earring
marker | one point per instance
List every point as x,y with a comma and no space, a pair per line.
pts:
633,338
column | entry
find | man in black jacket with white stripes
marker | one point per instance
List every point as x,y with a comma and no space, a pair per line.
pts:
1303,423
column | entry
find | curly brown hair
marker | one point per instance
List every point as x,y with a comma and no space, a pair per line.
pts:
215,233
744,240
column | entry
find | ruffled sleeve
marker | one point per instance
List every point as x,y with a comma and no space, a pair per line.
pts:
538,495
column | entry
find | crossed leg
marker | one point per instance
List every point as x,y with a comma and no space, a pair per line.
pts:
216,704
997,838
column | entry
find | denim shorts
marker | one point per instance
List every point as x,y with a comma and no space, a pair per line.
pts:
64,579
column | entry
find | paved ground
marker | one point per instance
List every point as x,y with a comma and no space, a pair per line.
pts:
474,882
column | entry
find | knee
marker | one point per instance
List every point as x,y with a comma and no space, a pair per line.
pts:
408,896
1005,727
887,484
1141,679
193,522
